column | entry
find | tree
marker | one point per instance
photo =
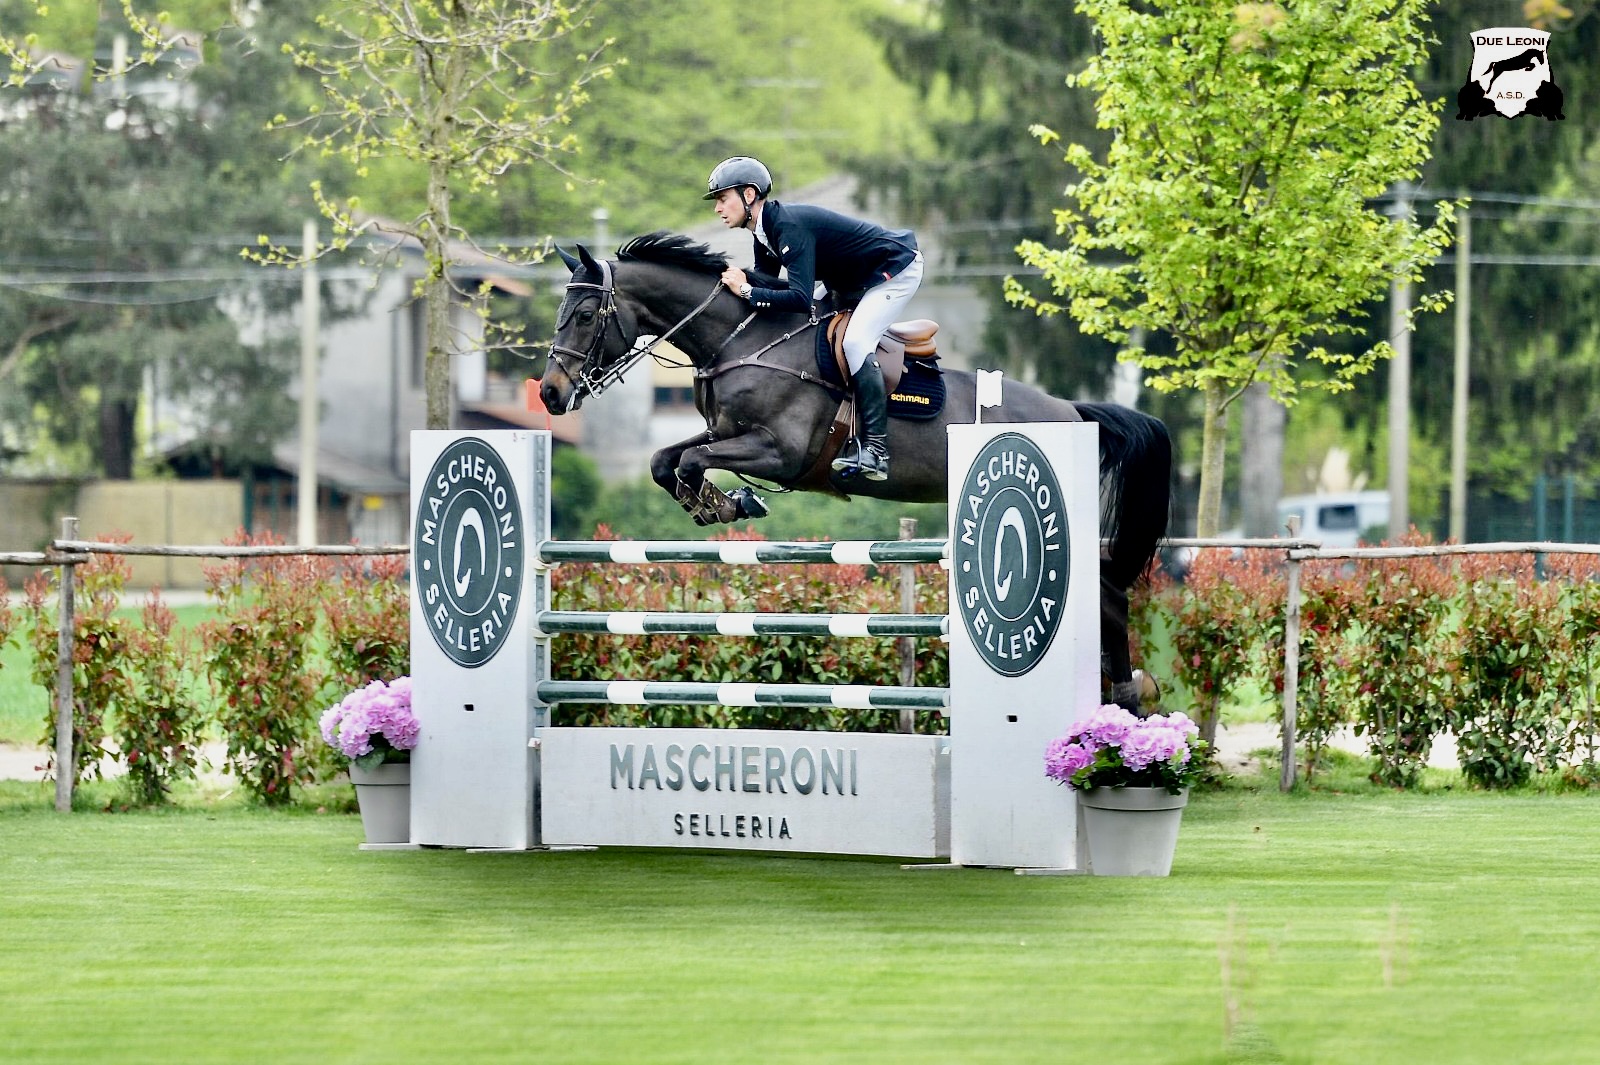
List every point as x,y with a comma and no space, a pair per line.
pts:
1236,208
462,90
987,184
112,173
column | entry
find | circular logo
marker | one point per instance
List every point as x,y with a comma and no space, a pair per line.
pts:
466,551
1011,553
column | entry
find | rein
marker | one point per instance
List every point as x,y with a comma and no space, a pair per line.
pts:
597,378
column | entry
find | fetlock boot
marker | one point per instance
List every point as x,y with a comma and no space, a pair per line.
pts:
868,454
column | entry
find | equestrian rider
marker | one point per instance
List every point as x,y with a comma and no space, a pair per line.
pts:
875,269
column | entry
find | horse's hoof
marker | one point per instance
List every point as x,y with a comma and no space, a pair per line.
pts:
747,504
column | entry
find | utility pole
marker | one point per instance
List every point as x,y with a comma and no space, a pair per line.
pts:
1400,384
310,406
1458,402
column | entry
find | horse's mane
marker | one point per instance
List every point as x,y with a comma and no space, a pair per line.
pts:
673,249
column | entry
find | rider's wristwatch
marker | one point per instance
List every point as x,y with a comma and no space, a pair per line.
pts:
745,290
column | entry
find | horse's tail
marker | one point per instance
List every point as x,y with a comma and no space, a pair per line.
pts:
1135,486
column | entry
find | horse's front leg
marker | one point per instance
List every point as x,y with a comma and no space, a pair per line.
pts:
664,472
755,453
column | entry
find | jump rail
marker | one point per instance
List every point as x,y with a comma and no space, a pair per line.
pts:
649,692
746,552
644,623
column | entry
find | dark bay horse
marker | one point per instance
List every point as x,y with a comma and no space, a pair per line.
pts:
768,417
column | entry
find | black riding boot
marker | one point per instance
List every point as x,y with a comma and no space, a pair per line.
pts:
869,453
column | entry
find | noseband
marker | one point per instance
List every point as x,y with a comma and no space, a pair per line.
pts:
594,376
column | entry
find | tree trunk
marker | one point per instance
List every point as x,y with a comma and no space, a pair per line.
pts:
116,437
1213,449
1261,460
451,70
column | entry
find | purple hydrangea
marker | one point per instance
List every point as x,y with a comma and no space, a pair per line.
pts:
371,722
1113,747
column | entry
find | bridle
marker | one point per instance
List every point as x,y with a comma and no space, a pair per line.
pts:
593,376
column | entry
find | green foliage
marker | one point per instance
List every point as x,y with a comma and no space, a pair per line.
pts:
1408,697
458,94
1511,636
158,726
111,191
1329,683
575,488
1405,651
1248,148
98,641
130,684
366,605
258,657
1224,611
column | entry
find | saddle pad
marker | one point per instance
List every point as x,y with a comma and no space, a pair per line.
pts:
918,397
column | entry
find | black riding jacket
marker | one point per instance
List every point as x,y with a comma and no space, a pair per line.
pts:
816,244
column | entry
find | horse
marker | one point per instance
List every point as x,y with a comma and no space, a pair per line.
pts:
769,417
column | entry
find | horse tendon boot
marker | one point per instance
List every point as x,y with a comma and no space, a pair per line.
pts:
689,500
710,506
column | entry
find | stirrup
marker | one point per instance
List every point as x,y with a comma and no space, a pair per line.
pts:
864,459
849,458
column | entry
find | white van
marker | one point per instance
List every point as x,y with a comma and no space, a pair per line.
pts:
1339,519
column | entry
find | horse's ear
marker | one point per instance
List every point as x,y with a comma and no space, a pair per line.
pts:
588,260
566,257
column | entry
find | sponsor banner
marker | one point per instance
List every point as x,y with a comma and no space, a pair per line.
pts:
745,789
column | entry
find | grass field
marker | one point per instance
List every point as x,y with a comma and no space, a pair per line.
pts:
1405,928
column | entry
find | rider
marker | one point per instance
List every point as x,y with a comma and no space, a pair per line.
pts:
875,269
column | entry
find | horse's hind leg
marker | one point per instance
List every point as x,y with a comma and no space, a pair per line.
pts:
1115,658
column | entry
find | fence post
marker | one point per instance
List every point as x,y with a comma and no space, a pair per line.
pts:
908,605
1291,663
66,766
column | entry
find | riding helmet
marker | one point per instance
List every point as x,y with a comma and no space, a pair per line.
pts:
738,172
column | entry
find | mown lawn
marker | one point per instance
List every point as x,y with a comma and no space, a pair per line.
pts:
1383,927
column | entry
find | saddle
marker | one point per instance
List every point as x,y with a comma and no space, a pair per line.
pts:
909,360
913,338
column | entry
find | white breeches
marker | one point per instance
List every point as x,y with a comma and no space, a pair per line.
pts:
881,307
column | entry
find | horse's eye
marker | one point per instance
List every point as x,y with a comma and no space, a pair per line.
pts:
585,316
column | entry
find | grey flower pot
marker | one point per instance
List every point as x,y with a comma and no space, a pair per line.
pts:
1131,831
384,795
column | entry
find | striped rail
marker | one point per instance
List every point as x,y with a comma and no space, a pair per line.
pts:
643,623
743,552
746,552
647,692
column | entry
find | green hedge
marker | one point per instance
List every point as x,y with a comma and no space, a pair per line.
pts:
1402,651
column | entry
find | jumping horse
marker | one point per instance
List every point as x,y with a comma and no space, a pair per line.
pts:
770,416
